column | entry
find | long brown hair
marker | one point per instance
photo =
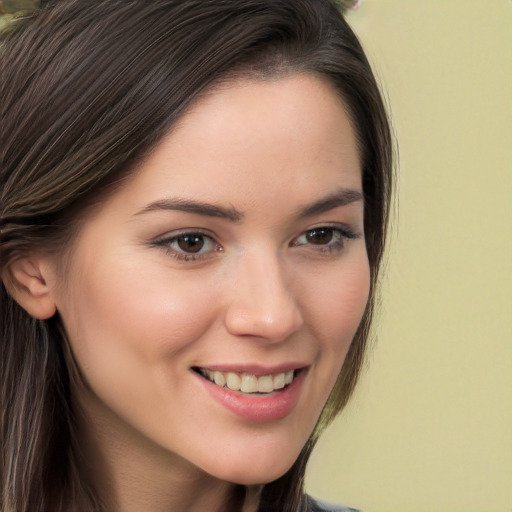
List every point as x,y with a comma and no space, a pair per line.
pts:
87,89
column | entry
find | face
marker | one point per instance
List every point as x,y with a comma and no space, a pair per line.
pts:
210,301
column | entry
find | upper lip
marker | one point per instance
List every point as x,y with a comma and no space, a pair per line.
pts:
253,369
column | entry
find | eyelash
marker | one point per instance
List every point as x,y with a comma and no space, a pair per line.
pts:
339,234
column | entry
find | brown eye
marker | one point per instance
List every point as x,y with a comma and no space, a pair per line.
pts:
319,236
325,239
191,243
190,246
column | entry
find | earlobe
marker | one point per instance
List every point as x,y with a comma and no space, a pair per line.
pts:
30,282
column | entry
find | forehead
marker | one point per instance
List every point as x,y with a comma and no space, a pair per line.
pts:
252,143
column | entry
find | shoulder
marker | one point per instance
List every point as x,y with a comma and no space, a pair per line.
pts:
322,506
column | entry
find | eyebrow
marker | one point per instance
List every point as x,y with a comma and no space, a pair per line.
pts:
342,197
196,207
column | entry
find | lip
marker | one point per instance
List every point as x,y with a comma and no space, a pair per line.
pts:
274,406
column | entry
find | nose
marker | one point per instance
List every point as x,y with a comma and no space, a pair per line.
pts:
262,303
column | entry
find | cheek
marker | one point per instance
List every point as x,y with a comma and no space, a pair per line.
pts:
339,313
137,307
132,334
339,304
126,326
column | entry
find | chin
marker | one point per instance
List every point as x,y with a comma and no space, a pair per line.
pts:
257,476
253,471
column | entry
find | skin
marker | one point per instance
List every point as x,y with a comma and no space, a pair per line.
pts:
141,313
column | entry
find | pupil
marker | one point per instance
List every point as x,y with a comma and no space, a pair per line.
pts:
319,236
191,243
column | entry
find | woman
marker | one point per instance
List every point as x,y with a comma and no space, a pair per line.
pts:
194,198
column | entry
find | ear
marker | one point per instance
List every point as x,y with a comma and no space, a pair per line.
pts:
31,282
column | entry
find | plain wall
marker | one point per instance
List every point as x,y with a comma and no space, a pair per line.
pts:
430,426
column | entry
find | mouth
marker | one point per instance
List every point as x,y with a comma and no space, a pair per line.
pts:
254,393
249,384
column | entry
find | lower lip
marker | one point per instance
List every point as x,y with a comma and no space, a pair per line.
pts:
258,408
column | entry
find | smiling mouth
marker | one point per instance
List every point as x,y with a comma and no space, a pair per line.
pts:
247,383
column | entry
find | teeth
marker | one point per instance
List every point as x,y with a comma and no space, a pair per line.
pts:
247,383
265,384
279,381
233,382
219,379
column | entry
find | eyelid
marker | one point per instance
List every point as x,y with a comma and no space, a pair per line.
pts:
345,230
170,235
